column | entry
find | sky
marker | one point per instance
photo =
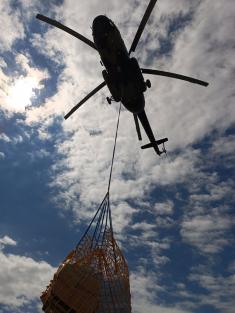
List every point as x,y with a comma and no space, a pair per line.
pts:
173,216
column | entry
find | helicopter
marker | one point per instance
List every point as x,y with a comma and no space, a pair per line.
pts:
122,74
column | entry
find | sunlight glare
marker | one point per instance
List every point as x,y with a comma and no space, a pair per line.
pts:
20,94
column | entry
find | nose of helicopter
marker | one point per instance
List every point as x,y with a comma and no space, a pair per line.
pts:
101,26
100,22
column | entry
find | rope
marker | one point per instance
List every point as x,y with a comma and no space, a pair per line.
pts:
104,208
91,222
114,148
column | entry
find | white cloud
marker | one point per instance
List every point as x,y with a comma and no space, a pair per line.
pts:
164,208
2,155
7,241
223,150
186,114
192,49
231,267
224,145
10,21
207,232
144,290
175,113
17,91
165,222
2,63
215,192
189,112
143,226
220,289
22,278
122,215
4,137
207,218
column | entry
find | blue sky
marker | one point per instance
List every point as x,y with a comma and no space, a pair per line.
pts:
173,216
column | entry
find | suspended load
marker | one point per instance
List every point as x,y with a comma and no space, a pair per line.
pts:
94,277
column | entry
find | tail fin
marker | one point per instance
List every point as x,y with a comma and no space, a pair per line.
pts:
155,143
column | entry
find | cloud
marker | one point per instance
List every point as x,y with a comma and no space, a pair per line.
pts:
19,89
7,241
198,51
223,150
10,21
231,267
207,232
215,192
2,155
224,145
2,63
193,38
22,278
164,208
207,220
143,226
4,137
77,172
144,289
122,216
220,289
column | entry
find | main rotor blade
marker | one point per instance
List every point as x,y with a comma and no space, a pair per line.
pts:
84,100
142,25
137,126
174,75
66,29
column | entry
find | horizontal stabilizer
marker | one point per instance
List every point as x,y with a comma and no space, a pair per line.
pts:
157,143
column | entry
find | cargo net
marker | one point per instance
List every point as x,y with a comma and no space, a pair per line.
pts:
94,277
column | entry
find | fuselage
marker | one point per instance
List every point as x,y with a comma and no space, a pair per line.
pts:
122,73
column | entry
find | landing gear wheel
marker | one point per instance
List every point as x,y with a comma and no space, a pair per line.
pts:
109,100
148,83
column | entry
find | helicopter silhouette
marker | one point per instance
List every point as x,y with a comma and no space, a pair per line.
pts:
122,74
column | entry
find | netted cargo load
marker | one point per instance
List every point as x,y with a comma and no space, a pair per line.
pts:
94,277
